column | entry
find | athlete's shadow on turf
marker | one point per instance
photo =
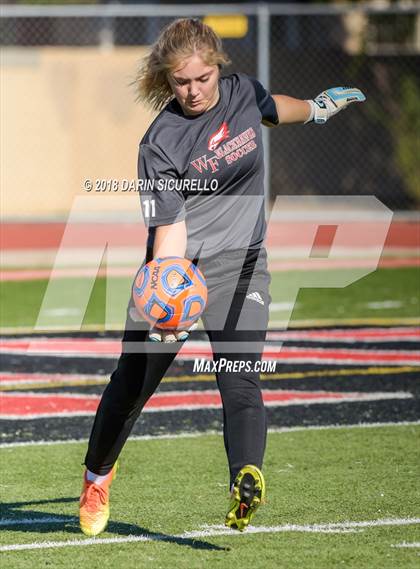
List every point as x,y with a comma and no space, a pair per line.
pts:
12,517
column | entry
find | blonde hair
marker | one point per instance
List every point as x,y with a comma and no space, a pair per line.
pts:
177,41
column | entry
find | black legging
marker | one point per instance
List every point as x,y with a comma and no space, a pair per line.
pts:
138,374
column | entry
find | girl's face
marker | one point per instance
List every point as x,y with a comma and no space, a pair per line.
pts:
195,85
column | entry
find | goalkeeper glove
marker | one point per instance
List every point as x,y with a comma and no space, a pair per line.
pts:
165,336
330,102
170,336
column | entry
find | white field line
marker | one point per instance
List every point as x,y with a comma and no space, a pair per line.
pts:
405,544
195,435
215,531
350,396
384,304
32,521
315,527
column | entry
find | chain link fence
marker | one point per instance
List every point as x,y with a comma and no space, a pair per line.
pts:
297,50
370,149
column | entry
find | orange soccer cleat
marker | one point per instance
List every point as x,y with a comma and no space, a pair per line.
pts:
94,504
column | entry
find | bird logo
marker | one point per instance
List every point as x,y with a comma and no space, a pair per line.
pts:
221,134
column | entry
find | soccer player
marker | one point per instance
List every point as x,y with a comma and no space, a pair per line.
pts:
207,137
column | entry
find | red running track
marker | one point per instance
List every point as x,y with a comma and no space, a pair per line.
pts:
90,347
15,236
43,274
34,406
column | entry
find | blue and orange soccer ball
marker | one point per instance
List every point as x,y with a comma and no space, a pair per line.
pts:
170,293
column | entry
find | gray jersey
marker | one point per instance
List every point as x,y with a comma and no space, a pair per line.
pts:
209,169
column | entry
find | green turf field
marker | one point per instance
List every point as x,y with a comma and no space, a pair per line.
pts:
168,487
386,293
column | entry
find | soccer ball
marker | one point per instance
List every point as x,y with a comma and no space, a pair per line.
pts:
170,293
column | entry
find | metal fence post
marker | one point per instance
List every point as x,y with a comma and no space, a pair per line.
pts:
263,70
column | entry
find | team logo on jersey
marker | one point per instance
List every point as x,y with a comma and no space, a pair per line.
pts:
231,151
221,134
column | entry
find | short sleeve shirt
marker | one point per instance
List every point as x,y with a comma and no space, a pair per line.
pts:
209,169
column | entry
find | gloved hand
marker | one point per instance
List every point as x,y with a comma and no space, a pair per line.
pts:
169,336
166,336
330,102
